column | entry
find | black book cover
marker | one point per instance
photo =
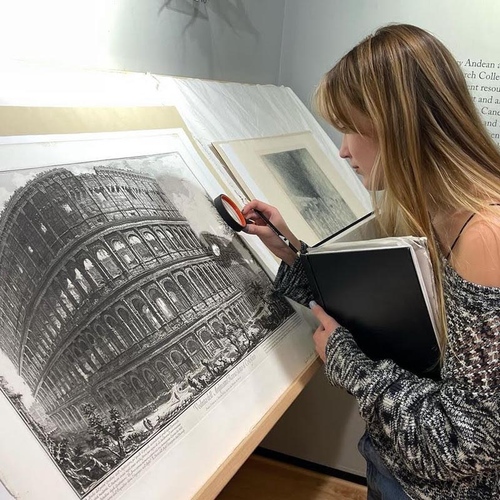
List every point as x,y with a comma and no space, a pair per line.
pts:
376,295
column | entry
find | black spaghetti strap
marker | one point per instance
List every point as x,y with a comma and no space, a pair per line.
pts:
463,227
458,236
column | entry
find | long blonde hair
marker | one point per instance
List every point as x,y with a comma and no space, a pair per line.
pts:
434,151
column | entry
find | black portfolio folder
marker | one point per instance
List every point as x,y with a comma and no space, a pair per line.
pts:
376,294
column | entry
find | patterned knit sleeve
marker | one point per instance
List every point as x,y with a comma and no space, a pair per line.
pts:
435,430
291,281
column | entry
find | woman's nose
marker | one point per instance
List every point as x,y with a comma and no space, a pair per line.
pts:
344,150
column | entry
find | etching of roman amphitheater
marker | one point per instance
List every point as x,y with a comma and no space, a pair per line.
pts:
108,297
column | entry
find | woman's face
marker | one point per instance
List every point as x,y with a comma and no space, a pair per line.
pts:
361,150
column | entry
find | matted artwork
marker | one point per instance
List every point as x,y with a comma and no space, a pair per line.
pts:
292,172
140,339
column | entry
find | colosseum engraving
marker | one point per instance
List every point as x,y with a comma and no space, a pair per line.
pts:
111,304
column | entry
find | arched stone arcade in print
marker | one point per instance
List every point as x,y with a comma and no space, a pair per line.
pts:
103,274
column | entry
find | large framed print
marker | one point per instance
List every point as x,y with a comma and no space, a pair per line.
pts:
292,173
141,341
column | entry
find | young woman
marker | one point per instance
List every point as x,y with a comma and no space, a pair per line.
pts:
412,132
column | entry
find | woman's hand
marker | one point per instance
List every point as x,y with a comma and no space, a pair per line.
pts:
324,331
266,234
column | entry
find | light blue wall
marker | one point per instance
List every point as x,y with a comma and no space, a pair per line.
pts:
317,33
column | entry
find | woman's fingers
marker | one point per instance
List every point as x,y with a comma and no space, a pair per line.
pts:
254,218
268,234
258,205
327,322
261,230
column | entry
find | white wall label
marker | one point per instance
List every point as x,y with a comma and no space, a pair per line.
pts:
483,78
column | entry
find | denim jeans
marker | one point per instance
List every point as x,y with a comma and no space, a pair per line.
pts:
381,484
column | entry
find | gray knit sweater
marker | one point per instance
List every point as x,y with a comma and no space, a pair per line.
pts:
441,440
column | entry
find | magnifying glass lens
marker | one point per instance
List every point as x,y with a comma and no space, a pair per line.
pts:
232,212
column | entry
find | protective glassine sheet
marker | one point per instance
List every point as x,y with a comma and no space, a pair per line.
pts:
213,111
225,111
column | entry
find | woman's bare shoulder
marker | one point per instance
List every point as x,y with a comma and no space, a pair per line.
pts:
476,256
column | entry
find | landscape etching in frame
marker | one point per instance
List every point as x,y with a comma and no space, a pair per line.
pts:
292,173
141,340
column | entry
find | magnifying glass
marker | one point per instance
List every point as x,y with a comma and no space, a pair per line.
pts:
230,212
235,219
